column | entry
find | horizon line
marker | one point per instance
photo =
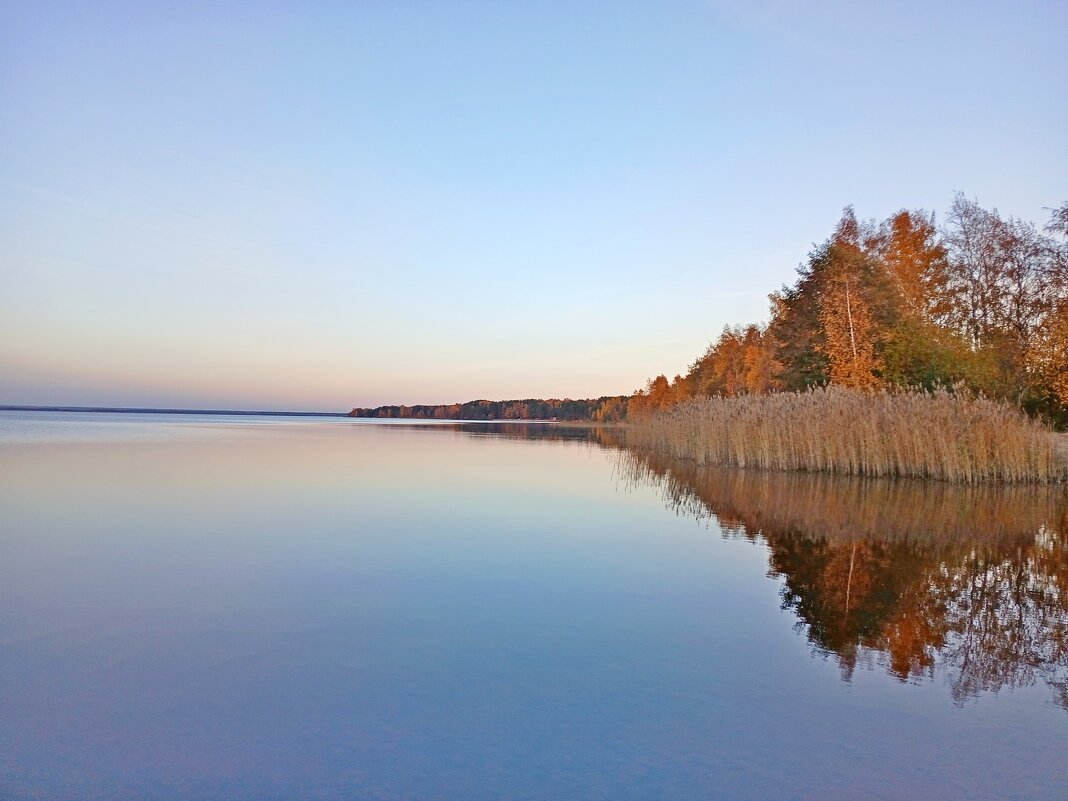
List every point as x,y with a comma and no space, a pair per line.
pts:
163,410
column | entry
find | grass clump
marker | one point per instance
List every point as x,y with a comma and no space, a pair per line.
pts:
933,435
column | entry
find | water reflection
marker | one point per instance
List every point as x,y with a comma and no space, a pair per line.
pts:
335,610
917,579
611,436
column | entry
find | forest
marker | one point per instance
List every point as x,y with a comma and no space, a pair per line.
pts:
977,303
607,409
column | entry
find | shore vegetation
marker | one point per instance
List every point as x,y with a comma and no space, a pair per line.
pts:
979,302
608,409
903,348
937,435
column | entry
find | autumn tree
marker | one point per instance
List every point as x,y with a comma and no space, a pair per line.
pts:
795,331
759,360
740,361
915,258
979,302
830,325
918,349
1050,353
815,324
849,334
974,269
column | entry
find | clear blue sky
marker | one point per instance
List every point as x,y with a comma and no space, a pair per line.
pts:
319,205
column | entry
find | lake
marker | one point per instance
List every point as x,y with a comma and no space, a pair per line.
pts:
205,607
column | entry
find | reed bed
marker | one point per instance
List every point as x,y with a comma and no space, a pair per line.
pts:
940,435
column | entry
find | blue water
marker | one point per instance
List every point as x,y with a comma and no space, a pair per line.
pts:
268,608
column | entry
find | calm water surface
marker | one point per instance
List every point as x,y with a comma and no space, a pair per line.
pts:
258,608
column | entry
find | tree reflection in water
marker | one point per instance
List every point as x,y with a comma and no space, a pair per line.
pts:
916,578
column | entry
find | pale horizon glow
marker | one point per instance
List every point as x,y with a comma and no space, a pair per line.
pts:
314,207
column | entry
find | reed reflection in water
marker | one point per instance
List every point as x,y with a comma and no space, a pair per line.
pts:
919,579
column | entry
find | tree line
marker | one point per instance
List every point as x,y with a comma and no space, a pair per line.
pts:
979,302
607,409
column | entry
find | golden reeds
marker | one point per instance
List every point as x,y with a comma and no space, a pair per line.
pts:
939,435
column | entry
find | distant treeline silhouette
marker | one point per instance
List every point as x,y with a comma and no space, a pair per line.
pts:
598,410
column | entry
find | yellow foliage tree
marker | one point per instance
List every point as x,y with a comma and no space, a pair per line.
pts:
1051,356
849,332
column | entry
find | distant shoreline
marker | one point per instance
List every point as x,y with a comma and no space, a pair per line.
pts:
140,410
253,413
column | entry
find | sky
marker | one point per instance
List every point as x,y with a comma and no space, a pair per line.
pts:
321,205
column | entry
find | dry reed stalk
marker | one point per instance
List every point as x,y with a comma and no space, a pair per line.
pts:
939,435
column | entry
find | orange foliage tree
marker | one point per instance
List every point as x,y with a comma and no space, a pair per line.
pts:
980,301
